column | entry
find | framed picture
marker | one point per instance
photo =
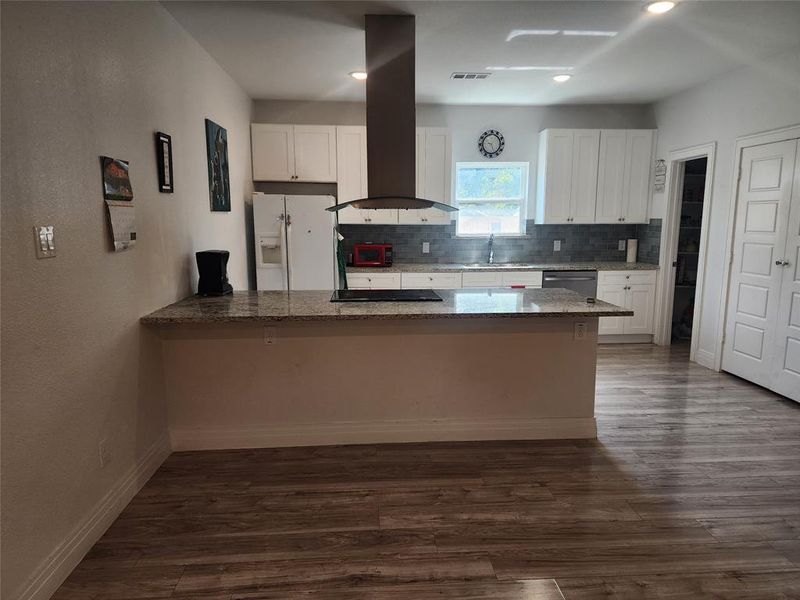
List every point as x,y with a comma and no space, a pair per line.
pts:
164,162
219,186
116,183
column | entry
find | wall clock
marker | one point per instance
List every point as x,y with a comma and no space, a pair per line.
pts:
491,143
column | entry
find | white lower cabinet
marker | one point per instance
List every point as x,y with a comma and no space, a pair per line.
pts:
374,281
423,281
635,290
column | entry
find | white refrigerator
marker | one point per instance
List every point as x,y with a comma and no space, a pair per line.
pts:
295,242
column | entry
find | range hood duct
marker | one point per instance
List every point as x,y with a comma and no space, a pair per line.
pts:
391,117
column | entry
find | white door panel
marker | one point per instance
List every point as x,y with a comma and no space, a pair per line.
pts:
315,153
584,175
611,175
273,152
786,364
752,344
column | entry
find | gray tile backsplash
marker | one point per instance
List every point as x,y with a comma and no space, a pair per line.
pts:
578,243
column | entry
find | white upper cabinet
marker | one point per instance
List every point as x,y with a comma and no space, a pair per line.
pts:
567,177
351,178
638,168
611,175
594,176
623,180
273,152
293,152
434,167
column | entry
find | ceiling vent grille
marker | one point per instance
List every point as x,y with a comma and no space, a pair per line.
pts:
462,75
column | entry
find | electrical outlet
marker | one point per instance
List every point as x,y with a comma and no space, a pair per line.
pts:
556,245
269,336
580,330
622,245
44,236
105,453
426,247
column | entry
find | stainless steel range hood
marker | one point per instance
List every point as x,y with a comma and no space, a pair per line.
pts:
391,117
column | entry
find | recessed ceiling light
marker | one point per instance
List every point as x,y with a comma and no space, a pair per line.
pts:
529,68
360,75
659,8
561,78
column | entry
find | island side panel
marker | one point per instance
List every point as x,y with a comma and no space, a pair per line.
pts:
379,381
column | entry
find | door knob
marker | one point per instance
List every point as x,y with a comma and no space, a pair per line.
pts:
784,263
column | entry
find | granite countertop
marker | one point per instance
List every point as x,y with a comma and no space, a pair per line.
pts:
456,268
260,307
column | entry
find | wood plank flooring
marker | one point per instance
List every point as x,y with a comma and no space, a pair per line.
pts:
692,491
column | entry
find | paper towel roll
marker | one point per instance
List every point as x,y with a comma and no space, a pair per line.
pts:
633,247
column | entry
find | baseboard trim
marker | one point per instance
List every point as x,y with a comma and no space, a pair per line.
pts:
705,358
52,572
625,339
379,432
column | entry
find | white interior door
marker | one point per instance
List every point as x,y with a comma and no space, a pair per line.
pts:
762,214
786,363
310,242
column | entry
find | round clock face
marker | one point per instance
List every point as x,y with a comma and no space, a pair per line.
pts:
491,143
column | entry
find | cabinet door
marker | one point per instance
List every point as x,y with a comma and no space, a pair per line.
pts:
613,293
273,152
586,147
558,176
351,171
315,153
611,175
638,166
528,279
490,279
640,299
433,168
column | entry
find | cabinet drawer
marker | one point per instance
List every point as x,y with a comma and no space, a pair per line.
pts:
482,280
373,281
626,277
421,281
531,279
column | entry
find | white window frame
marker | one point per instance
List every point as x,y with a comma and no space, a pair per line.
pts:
523,210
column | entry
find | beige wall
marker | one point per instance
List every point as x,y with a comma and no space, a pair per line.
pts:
746,101
79,81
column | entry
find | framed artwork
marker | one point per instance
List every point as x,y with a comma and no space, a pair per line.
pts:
219,186
116,183
164,162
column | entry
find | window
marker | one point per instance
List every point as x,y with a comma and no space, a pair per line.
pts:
491,198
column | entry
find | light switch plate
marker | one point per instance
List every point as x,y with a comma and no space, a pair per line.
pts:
622,245
44,238
580,330
556,245
426,247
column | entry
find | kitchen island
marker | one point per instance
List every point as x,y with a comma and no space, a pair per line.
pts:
261,369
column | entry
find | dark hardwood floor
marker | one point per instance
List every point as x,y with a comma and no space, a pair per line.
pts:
691,491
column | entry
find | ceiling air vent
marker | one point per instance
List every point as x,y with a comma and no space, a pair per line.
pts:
469,75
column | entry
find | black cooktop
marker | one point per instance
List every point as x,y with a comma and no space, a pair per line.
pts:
385,296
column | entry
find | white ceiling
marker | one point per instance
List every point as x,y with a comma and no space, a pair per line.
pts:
305,50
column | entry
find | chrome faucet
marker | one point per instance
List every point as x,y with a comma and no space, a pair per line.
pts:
491,250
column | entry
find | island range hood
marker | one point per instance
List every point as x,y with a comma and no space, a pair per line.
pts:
391,117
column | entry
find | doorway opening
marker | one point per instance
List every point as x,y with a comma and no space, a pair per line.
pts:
687,257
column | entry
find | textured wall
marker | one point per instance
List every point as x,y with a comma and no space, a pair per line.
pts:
578,243
81,80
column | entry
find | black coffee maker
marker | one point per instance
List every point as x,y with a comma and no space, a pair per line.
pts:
213,268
